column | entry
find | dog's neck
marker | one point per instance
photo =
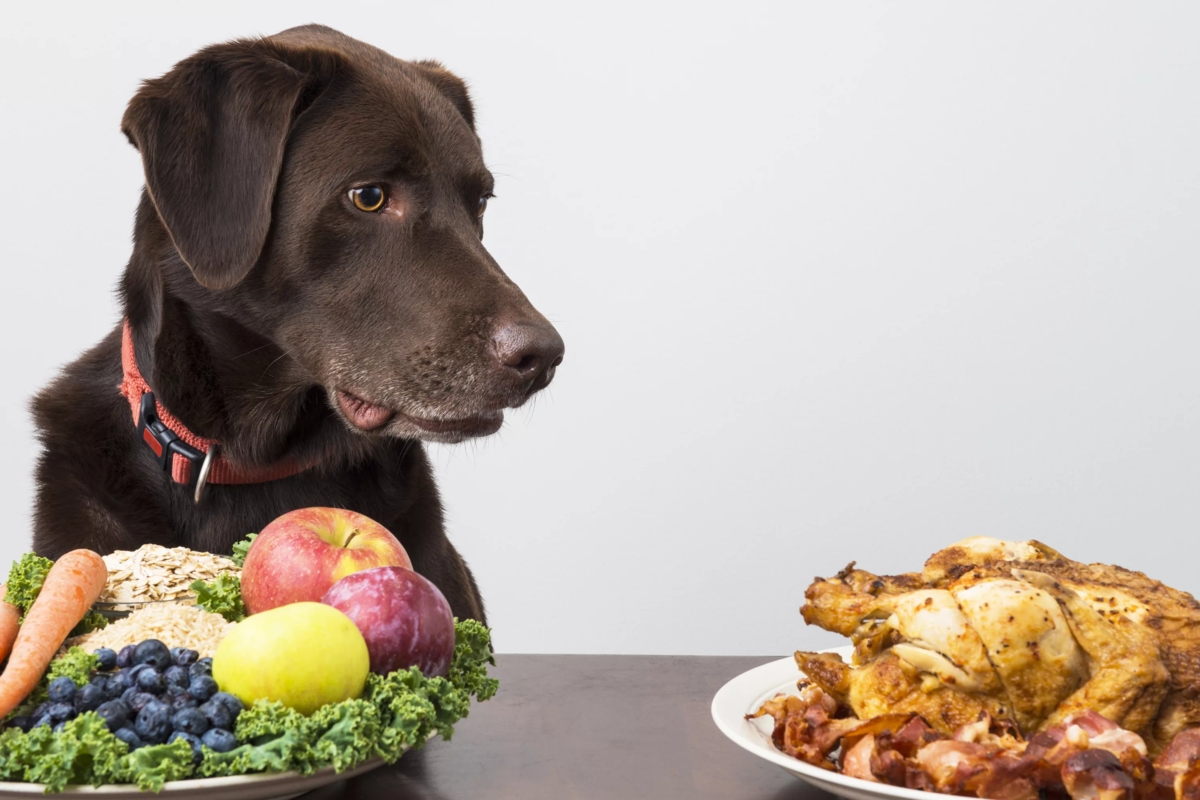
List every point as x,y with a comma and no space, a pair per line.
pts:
201,354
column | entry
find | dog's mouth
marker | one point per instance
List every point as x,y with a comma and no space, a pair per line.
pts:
362,414
368,416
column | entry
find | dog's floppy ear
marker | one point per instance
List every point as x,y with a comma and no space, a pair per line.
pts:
450,85
212,133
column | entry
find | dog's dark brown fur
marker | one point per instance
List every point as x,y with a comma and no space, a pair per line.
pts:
257,292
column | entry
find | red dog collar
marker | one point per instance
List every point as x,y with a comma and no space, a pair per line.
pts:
192,460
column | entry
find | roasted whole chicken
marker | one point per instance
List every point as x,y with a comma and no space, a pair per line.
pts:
1016,630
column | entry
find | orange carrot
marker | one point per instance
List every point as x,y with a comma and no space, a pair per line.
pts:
10,623
70,588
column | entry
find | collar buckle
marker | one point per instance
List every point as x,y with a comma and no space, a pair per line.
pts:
165,445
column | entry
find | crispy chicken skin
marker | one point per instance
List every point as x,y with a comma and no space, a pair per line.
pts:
889,685
1017,629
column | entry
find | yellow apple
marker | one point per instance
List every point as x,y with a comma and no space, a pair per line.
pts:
304,655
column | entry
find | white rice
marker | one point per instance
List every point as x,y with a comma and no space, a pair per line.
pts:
173,624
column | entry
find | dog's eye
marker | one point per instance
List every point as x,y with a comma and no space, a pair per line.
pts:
368,198
482,205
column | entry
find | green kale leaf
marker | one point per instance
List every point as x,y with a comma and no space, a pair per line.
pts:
472,656
76,664
222,596
84,751
242,548
278,754
92,621
25,580
153,765
344,734
265,719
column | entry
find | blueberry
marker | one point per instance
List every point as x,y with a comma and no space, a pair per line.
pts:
125,657
184,657
115,713
230,701
89,698
100,681
22,722
42,720
190,720
117,684
136,670
182,701
58,728
217,714
108,658
140,700
152,652
62,690
41,710
159,705
193,740
153,723
219,740
177,676
200,668
129,736
203,687
151,681
59,712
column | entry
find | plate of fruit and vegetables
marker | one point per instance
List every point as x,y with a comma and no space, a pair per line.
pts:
291,693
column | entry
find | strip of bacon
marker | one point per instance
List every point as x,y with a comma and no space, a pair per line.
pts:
1096,775
1172,765
1087,757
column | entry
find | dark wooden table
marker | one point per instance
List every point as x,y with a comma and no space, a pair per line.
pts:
584,727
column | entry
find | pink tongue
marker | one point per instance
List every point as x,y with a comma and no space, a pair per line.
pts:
367,416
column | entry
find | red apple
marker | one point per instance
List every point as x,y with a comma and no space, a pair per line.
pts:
404,618
300,555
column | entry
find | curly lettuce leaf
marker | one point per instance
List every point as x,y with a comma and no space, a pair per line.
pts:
83,752
221,596
407,715
266,719
273,755
12,764
92,621
242,548
274,738
152,766
25,580
76,664
472,656
344,734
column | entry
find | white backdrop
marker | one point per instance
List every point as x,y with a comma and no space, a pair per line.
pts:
837,281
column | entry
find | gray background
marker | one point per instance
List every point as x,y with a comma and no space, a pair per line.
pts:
838,281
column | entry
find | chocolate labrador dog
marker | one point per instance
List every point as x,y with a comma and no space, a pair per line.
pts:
308,300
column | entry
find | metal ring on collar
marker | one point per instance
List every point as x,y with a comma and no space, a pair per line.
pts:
202,479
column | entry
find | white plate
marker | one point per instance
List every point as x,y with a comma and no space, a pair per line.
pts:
267,786
745,694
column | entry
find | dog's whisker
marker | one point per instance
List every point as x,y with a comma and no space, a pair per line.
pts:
250,352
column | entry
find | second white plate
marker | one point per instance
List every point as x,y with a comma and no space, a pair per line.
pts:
745,694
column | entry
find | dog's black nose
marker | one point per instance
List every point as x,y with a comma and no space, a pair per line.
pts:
528,352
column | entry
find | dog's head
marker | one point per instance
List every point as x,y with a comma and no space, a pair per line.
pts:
335,196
